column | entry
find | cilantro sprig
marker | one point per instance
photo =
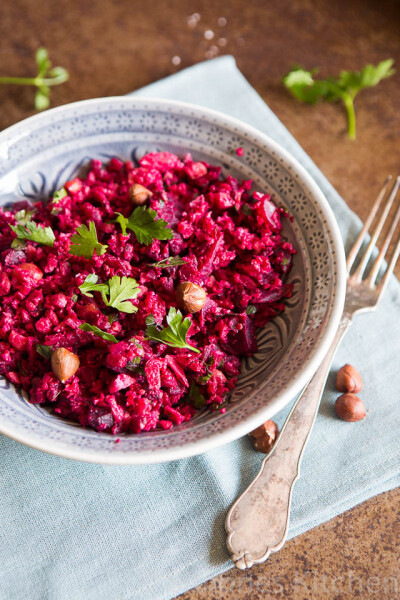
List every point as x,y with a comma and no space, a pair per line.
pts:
302,84
175,333
46,78
119,289
145,225
109,337
85,242
35,233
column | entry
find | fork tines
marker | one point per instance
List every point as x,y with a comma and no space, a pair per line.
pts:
383,207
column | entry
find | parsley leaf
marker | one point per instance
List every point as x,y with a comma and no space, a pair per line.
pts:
306,88
90,285
109,337
175,334
119,289
85,242
145,226
58,194
44,350
122,221
172,261
122,289
35,233
251,309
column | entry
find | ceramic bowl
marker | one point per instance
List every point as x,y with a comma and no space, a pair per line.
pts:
39,154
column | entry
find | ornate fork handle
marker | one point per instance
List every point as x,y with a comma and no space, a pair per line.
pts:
258,521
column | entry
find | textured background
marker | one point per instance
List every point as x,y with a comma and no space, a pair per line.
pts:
114,48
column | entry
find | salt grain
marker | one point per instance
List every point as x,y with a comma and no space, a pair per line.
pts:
222,22
222,42
208,34
176,60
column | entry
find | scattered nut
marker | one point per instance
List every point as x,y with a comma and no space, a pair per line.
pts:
350,408
263,438
139,194
349,379
64,364
190,296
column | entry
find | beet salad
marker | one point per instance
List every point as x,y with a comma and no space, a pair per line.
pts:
128,298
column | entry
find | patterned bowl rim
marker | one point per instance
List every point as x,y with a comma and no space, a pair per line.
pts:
319,350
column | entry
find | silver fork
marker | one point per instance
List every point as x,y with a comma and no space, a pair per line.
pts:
258,521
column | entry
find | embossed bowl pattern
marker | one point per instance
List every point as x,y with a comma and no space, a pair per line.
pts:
40,153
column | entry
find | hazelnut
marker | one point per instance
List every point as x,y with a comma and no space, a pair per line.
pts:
190,296
264,437
139,194
350,408
349,379
64,364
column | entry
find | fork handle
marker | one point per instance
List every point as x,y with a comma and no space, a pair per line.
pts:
258,521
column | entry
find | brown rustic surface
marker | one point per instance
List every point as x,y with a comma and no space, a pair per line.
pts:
111,48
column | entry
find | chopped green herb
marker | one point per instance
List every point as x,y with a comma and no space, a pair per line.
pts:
90,285
196,398
44,350
247,210
204,378
136,342
172,261
109,337
251,310
58,194
112,318
85,242
21,369
133,364
304,87
35,233
150,320
74,297
175,334
285,261
24,216
145,226
16,244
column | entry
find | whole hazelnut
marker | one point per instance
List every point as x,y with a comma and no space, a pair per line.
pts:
350,408
64,364
190,296
139,194
263,438
348,379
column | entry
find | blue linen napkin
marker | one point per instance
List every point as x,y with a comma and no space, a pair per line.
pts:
77,531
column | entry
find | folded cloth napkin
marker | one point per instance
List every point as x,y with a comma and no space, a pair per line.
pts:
76,531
